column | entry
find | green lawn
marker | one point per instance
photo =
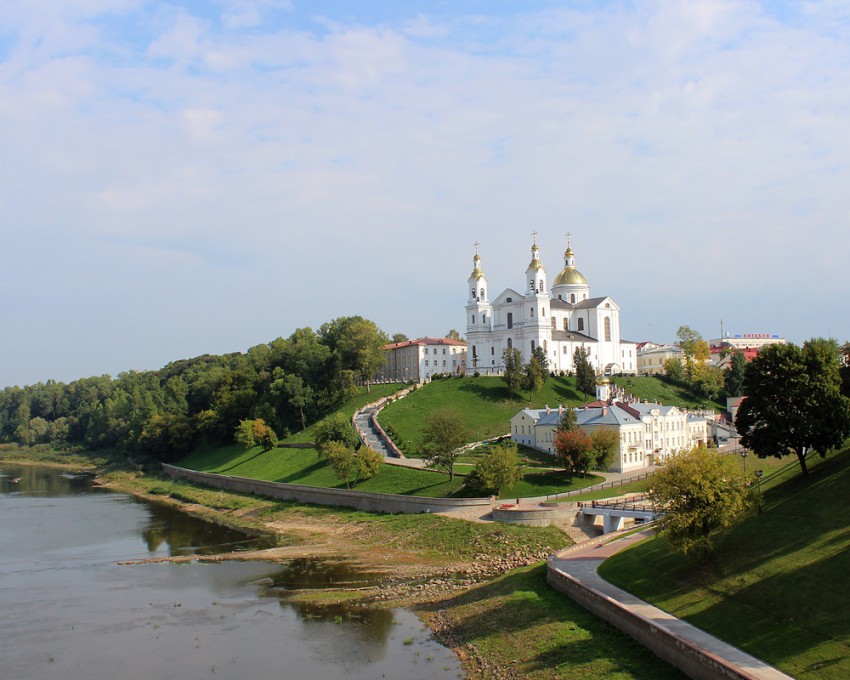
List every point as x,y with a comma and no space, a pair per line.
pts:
485,404
663,392
303,466
532,631
777,584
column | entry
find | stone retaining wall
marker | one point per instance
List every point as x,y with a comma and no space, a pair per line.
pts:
691,659
359,500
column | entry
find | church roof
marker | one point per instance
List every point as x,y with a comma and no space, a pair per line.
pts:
570,276
575,336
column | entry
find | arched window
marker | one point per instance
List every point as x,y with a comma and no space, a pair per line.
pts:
510,320
531,285
542,311
540,290
554,323
607,329
566,326
482,293
572,298
473,319
532,346
483,318
532,311
510,344
580,325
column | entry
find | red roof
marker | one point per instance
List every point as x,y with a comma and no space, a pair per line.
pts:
425,341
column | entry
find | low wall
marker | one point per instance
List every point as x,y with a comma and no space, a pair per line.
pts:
530,516
359,500
685,655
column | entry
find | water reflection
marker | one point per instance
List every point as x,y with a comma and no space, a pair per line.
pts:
69,610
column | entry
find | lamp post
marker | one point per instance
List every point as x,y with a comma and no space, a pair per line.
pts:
759,473
744,455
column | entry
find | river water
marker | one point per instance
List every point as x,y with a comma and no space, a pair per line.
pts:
69,610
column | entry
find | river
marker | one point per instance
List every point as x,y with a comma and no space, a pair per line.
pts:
69,610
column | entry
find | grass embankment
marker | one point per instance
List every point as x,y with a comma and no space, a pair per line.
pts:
517,626
776,585
485,404
663,391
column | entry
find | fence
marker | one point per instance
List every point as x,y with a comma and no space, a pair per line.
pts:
602,486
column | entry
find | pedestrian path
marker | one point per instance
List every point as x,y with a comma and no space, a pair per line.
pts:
581,563
373,439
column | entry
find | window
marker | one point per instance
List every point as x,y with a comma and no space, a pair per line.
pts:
532,346
473,318
510,320
473,292
607,329
531,285
554,323
580,324
474,352
543,312
510,344
565,324
572,298
540,289
492,351
484,318
482,293
509,299
444,350
531,312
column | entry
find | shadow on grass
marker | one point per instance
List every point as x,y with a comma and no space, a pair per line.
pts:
241,462
523,625
303,472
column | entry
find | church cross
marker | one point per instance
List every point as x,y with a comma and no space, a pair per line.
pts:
476,247
569,238
534,236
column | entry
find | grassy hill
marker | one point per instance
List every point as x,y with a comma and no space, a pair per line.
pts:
776,585
485,404
661,390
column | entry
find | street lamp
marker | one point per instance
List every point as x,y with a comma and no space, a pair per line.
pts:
759,473
744,455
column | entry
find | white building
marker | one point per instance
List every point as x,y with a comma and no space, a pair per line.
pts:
651,361
418,360
559,321
648,432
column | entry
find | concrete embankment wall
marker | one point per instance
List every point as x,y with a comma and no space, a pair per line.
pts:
359,500
691,659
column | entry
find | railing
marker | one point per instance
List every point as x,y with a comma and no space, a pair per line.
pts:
602,486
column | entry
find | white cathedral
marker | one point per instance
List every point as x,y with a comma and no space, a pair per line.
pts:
559,322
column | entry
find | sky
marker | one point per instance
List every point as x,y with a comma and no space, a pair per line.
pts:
186,178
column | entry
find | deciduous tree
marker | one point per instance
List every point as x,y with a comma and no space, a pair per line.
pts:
794,402
573,449
733,381
700,492
605,443
585,375
443,434
499,468
513,373
335,428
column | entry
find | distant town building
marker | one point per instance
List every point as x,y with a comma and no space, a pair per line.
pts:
418,360
559,321
650,359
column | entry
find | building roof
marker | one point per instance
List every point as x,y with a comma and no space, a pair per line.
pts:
425,341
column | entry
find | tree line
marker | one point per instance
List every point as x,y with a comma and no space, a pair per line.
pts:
163,414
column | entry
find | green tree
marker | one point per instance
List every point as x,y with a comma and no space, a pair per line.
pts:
605,443
357,345
707,381
673,369
699,492
343,461
695,348
369,462
573,449
499,468
244,435
733,381
513,373
568,420
794,402
335,428
399,337
443,434
585,375
535,376
453,335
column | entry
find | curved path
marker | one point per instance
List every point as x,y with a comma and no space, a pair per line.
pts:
581,562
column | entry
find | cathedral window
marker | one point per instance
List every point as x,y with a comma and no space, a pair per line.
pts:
473,292
580,324
607,329
483,318
554,323
532,346
473,318
531,285
510,320
540,290
482,293
572,298
543,311
510,344
531,312
492,351
566,321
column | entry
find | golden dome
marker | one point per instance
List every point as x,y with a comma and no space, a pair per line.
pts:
568,252
603,380
570,276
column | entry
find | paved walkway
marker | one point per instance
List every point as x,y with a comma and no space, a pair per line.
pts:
374,440
582,562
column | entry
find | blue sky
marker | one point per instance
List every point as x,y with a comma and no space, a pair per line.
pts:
189,178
